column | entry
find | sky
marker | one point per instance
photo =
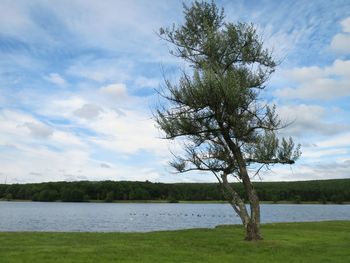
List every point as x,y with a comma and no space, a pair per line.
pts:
78,81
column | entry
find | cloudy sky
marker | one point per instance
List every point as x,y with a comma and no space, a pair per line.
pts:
77,81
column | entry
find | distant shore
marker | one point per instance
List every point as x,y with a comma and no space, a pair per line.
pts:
318,191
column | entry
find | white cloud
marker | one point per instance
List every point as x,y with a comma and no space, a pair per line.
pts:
88,111
101,69
342,140
63,107
13,123
56,78
128,133
104,165
116,25
336,148
126,130
322,83
306,73
14,19
47,164
117,90
25,132
316,153
309,119
100,127
62,139
346,25
341,41
318,83
313,170
71,164
147,82
339,68
38,130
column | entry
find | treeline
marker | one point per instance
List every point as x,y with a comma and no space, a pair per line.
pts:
323,191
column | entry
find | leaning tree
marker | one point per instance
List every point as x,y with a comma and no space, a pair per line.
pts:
215,106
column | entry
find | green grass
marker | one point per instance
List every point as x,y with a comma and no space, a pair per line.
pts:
284,242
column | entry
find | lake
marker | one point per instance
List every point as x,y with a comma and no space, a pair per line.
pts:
143,217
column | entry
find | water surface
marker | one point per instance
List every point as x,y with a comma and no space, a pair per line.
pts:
131,217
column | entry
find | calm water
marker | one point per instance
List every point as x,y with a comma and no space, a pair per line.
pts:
37,216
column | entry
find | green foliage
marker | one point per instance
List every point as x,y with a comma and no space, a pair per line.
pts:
275,198
86,198
323,199
297,199
338,198
216,106
139,193
284,242
48,195
8,197
109,197
336,191
72,195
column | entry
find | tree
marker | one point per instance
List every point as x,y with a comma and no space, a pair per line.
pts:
109,197
48,195
216,109
72,195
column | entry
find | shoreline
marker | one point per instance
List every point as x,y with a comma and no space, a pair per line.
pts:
178,202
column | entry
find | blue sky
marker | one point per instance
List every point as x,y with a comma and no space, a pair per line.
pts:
77,82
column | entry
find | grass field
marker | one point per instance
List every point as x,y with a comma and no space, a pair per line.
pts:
284,242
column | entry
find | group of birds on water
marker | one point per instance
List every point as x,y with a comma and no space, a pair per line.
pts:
181,214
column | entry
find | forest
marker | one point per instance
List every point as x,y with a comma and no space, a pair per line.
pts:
322,191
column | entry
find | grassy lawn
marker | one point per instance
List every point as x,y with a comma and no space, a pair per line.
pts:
284,242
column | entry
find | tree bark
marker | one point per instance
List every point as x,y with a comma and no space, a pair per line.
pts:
253,232
253,225
251,222
234,199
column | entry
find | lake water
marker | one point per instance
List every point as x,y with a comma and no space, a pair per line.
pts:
130,217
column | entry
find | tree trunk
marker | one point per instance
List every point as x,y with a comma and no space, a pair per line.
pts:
253,231
234,199
251,222
253,225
